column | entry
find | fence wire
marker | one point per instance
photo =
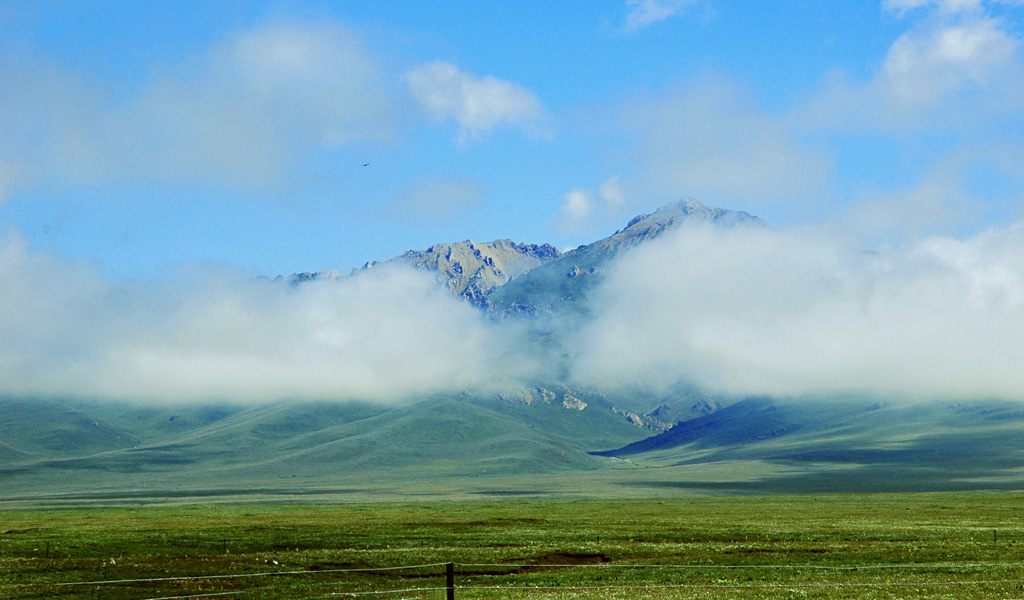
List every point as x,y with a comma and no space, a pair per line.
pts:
499,580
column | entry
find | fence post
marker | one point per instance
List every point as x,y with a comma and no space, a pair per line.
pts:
449,571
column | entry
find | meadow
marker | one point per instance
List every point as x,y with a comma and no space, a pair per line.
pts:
949,545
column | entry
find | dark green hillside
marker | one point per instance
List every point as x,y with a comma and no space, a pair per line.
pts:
43,428
854,445
604,421
196,446
442,435
443,446
10,455
748,421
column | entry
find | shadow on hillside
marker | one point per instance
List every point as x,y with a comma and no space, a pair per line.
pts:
864,479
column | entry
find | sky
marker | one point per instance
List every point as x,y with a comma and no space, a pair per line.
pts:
142,137
151,152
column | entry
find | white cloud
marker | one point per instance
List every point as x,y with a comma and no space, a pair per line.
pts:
477,104
436,199
577,207
736,310
955,68
707,141
241,114
320,73
939,201
952,194
7,181
643,13
763,311
612,192
384,335
925,66
583,212
901,7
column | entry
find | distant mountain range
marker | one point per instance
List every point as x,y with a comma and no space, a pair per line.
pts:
531,435
510,277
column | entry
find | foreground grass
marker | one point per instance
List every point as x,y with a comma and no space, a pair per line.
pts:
860,546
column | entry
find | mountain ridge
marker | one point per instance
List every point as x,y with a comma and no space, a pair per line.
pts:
506,277
565,282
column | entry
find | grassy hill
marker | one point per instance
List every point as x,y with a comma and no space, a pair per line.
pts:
53,446
848,445
442,446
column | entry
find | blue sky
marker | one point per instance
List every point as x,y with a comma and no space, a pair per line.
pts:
142,137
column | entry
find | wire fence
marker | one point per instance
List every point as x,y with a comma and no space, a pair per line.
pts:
606,580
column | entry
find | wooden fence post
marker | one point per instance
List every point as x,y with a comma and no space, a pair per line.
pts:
449,570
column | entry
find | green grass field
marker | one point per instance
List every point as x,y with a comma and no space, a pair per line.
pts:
952,545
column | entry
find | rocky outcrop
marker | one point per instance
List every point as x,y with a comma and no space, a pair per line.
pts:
297,278
571,399
471,270
571,402
644,421
674,412
528,396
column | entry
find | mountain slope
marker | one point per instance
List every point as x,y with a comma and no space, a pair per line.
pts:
213,445
844,445
472,270
37,427
467,269
562,283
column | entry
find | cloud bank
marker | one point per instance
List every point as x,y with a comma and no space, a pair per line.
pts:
707,139
741,310
957,68
793,312
241,114
384,335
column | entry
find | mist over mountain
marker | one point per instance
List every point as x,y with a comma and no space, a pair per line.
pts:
691,336
685,295
566,282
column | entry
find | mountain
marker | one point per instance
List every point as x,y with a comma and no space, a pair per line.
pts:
847,445
473,270
562,283
468,269
511,278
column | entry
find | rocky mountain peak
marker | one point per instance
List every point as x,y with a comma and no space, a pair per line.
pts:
510,277
562,282
297,278
653,224
472,269
679,208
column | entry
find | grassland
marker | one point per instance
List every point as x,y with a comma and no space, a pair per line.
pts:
953,545
62,453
